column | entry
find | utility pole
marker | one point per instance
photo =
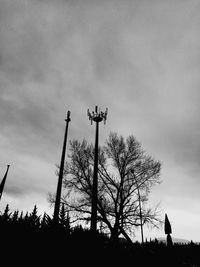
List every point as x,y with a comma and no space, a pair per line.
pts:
60,177
97,117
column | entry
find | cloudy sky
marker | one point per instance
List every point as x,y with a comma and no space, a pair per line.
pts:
139,58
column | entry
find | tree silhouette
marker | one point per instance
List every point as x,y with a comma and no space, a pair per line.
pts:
34,219
46,221
168,231
64,219
15,216
6,215
123,167
43,245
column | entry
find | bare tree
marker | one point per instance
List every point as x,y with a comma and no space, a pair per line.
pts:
124,169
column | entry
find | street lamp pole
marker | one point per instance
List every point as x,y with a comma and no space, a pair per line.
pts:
97,117
62,163
140,208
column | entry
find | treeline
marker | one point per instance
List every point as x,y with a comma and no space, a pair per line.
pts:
32,239
33,236
31,220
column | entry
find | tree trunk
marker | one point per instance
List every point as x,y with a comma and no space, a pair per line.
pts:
115,233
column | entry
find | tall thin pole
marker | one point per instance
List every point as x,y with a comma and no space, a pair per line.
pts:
3,181
97,117
140,208
95,182
62,163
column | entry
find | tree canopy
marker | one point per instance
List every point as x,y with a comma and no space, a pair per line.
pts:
125,176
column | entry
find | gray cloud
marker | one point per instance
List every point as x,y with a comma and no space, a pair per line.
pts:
138,58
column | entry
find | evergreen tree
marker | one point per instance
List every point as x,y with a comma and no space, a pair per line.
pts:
7,214
21,217
45,221
64,218
34,219
26,218
15,217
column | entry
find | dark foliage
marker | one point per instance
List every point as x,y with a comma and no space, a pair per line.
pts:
28,240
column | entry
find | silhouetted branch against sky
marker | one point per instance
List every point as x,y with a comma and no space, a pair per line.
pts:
138,58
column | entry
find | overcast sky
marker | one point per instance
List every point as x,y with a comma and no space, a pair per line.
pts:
139,58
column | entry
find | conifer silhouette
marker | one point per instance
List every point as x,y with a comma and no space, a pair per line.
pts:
7,214
32,235
64,219
168,231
